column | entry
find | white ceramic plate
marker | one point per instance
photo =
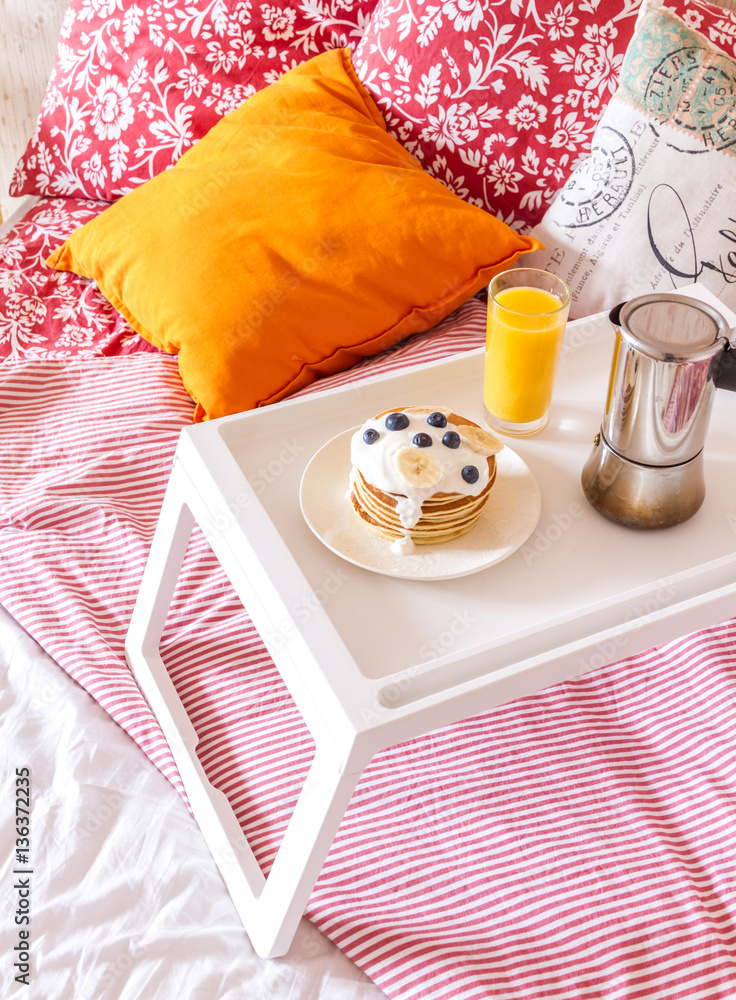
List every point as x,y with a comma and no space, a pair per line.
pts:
508,519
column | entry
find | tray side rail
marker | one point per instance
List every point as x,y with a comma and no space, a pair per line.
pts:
269,907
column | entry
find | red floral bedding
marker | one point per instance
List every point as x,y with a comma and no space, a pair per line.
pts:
50,314
134,85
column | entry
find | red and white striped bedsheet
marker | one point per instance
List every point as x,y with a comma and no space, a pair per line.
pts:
575,844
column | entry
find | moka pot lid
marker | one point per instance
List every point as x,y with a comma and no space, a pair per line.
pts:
668,327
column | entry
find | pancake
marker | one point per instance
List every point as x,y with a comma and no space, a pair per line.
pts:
421,475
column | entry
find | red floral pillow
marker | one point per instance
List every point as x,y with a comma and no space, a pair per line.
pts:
135,84
499,98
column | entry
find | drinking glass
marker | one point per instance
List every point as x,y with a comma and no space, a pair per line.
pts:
527,313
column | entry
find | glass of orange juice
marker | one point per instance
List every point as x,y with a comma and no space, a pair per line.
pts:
527,313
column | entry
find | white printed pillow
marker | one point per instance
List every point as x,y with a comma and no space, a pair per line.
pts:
653,207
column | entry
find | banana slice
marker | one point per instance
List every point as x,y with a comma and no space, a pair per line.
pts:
480,441
417,468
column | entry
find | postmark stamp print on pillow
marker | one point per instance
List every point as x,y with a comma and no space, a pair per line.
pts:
602,181
653,207
499,99
690,86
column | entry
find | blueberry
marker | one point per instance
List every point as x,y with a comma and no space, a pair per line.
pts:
397,422
451,439
437,420
470,474
422,440
370,436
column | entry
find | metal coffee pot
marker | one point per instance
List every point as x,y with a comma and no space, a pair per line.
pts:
670,355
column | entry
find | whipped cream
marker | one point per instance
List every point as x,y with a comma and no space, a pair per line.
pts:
392,461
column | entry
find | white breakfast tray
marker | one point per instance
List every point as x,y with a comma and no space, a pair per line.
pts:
372,660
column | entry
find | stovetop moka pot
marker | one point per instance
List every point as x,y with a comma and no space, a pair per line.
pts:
670,355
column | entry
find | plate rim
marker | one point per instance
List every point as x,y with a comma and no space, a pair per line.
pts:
332,443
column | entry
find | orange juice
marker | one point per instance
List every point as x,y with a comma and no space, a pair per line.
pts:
525,329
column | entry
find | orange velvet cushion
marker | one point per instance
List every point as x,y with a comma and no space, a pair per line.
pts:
294,239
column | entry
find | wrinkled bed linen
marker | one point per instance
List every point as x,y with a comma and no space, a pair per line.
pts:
575,844
126,900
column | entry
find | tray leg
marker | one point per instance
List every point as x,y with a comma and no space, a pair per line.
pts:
270,908
317,815
160,576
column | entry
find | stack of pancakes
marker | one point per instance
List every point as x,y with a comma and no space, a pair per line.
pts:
442,516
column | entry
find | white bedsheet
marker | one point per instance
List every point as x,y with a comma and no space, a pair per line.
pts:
125,902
